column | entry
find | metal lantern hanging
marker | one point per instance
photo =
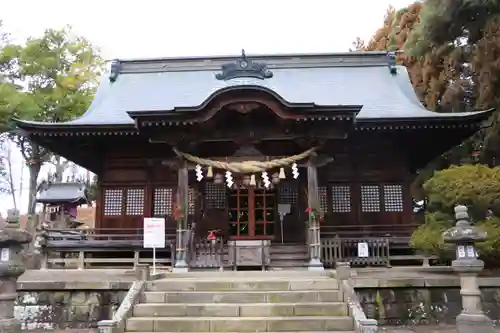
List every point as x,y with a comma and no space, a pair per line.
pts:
218,179
275,178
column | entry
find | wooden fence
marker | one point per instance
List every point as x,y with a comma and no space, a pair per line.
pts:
346,249
393,231
207,254
91,248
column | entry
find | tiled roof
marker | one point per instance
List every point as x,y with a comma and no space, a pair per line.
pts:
63,192
355,78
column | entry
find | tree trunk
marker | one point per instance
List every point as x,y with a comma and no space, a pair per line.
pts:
34,166
60,167
12,187
34,170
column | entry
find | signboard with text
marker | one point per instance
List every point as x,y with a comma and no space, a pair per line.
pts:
154,233
363,251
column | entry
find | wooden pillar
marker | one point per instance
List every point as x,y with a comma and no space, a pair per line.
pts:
183,202
313,202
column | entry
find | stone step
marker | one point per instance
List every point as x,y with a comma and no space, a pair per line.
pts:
288,256
301,267
249,274
239,284
290,263
288,249
239,324
241,310
235,297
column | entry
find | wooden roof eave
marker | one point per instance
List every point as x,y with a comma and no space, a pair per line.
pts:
176,118
63,129
242,94
470,120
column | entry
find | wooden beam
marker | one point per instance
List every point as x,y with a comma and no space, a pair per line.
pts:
199,135
312,185
183,185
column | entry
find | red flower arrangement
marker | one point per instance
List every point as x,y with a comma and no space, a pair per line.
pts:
211,235
178,214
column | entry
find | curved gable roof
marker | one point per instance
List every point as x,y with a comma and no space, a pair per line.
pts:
355,78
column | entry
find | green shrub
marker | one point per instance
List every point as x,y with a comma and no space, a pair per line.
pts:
428,237
490,248
476,186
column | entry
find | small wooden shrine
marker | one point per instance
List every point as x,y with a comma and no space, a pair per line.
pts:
60,203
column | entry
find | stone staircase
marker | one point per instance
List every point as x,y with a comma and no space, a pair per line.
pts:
272,301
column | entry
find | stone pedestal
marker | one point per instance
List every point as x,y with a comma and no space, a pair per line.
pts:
11,267
343,270
181,265
472,318
142,272
315,263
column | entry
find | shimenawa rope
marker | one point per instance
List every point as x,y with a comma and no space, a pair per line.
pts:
246,166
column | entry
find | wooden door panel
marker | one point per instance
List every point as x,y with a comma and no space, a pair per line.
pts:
293,226
251,213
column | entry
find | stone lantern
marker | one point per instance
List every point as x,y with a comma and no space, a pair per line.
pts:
12,240
467,265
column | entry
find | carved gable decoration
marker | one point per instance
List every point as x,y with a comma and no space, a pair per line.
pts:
244,67
248,151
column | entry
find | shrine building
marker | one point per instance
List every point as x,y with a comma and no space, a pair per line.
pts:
254,146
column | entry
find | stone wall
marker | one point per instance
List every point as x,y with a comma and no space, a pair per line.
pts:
53,305
421,305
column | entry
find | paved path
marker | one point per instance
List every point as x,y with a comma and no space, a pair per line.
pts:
73,275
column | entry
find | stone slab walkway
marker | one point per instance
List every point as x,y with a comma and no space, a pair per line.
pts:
73,275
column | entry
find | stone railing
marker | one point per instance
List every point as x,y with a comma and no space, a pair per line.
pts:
117,323
361,323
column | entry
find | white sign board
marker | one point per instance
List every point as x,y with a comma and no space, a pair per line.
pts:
154,233
363,250
4,254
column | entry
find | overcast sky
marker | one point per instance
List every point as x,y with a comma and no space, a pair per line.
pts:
156,28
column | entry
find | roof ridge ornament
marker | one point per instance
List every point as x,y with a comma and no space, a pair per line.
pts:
391,62
244,67
116,67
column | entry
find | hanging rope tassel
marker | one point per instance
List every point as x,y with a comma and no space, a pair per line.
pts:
282,173
252,180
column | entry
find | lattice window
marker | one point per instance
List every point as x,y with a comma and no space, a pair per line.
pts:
341,198
113,202
215,195
288,195
370,198
162,201
191,201
323,198
135,202
393,198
